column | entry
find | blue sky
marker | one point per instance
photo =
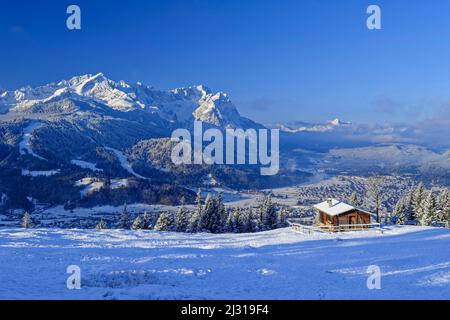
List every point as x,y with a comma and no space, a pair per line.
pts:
309,60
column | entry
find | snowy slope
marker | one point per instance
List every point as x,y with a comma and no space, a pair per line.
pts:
124,162
279,264
25,146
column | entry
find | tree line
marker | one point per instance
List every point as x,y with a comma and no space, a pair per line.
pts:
210,215
419,206
423,206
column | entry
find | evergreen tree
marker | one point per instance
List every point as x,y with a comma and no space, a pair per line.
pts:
260,217
206,214
317,221
146,221
245,221
418,197
252,221
429,210
125,219
137,224
215,218
270,214
182,220
282,216
229,227
26,221
221,210
199,201
165,222
233,222
399,214
101,225
194,223
445,206
408,203
353,200
375,193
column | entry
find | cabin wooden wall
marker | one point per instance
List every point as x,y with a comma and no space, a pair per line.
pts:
360,218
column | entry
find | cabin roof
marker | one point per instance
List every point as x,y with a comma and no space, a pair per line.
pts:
337,207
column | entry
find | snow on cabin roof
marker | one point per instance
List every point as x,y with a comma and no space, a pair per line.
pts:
337,207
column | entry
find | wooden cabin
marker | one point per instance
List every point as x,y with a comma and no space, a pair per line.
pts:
339,216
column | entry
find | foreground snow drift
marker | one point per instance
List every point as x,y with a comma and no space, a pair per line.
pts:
279,264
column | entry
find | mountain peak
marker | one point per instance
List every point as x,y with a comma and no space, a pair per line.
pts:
335,122
182,104
93,78
338,122
203,89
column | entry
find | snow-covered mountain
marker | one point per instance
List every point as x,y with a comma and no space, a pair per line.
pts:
115,137
300,126
112,135
181,105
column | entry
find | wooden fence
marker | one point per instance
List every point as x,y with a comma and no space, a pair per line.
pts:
332,229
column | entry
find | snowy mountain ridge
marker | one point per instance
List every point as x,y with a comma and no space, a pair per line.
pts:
178,105
300,126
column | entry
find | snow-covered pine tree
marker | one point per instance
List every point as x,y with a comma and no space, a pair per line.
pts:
125,219
26,221
282,216
199,202
101,225
194,223
260,211
375,193
244,220
429,210
222,210
270,214
418,197
206,213
234,222
146,221
252,222
165,222
354,200
445,206
399,213
408,202
182,220
215,218
137,223
229,224
317,221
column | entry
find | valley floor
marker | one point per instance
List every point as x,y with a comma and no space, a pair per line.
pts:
278,264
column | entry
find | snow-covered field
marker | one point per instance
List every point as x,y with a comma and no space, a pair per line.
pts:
279,264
